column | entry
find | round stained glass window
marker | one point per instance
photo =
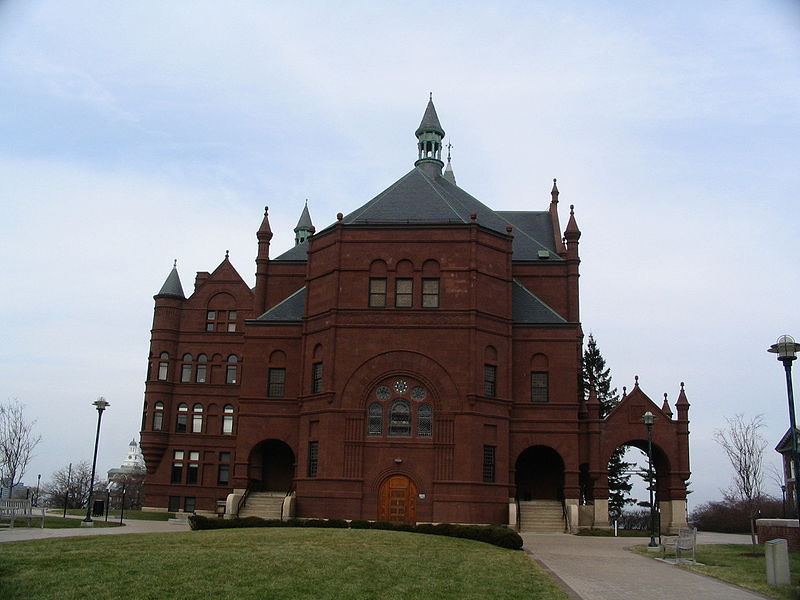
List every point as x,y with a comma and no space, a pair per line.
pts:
400,386
383,392
418,393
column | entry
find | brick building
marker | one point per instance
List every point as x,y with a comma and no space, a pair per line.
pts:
417,360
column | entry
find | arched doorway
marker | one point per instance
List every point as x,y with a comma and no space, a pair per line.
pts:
397,500
539,474
271,466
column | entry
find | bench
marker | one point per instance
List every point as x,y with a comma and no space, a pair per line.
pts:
21,508
685,541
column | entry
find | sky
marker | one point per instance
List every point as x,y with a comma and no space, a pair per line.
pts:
136,133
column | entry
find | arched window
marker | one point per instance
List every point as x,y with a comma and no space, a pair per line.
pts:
182,418
400,419
424,420
197,418
186,369
231,369
158,416
163,366
201,376
227,420
375,419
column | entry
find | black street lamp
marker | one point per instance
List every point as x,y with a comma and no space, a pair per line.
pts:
787,349
648,421
100,404
38,481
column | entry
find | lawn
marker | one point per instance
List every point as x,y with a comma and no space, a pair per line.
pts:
269,563
729,562
114,514
61,523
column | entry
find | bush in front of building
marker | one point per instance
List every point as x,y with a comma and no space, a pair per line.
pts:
491,534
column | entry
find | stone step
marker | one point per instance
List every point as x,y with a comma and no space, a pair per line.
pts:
541,516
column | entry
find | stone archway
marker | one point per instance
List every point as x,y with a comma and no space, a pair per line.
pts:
539,474
271,466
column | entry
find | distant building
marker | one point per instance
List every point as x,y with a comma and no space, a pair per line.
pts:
784,448
417,360
128,479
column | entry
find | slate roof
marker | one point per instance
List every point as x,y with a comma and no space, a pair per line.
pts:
172,286
289,310
417,198
305,220
430,121
527,308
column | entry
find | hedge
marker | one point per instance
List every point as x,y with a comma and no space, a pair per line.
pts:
491,534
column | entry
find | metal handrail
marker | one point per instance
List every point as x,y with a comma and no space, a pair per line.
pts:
250,485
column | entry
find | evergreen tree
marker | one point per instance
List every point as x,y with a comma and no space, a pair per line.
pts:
597,375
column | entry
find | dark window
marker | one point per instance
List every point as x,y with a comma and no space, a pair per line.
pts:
227,420
430,293
276,387
489,380
163,367
400,419
489,453
144,416
231,320
404,293
191,473
158,416
377,292
230,372
202,369
174,504
424,420
539,387
182,420
313,457
316,378
375,419
188,505
224,473
177,467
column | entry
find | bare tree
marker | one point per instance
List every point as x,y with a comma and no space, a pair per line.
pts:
69,487
17,442
744,445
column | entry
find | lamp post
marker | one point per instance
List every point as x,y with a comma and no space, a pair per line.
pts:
100,404
786,349
648,421
38,481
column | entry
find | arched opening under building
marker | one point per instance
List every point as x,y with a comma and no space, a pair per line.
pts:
539,474
271,466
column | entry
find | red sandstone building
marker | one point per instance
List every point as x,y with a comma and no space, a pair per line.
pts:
418,360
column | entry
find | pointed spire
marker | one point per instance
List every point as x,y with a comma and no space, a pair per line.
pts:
572,234
682,405
304,227
448,170
265,231
429,145
665,407
554,192
172,287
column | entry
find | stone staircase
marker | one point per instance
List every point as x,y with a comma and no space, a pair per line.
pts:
541,516
266,505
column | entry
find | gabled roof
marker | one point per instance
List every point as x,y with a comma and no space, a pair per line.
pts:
172,287
527,308
289,310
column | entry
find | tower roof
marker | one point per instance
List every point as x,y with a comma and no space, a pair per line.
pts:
172,287
305,219
430,121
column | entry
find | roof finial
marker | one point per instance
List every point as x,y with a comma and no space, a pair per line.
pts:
430,97
175,264
624,391
636,378
449,146
227,252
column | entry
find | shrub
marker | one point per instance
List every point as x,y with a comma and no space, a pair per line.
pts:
730,515
360,524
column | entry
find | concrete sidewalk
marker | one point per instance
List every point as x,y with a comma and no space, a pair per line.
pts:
129,526
599,568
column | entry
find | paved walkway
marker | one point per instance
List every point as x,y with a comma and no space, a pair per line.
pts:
130,526
599,568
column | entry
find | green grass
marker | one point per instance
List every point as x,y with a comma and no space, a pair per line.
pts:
129,514
729,562
269,563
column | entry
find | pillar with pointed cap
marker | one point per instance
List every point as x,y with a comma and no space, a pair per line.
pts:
264,235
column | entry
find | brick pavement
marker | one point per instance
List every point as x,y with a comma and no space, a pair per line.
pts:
597,568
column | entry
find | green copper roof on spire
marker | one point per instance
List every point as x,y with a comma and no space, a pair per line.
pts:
430,121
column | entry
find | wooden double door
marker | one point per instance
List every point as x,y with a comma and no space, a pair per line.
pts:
397,500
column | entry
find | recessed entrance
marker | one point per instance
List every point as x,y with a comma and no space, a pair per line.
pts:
271,466
539,474
397,500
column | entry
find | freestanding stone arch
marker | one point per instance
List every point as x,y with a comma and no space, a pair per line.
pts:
624,426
